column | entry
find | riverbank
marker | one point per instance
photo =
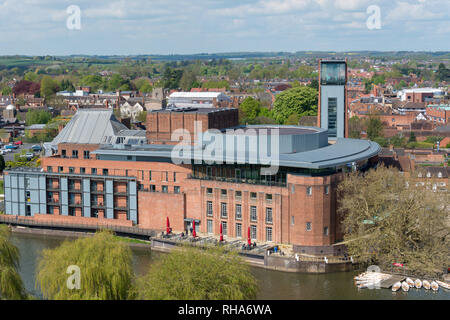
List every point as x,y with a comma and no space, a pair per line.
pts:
272,262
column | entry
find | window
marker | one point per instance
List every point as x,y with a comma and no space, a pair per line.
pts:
27,183
308,226
223,210
60,169
165,189
63,153
93,171
209,191
253,195
71,169
209,208
166,176
50,209
129,158
94,213
49,169
325,231
269,218
332,117
269,197
327,189
253,232
238,174
71,211
238,230
309,191
292,220
176,189
174,176
75,154
223,192
224,228
28,210
238,212
86,154
82,170
126,173
238,195
94,185
27,196
105,172
150,176
152,188
269,234
209,226
253,216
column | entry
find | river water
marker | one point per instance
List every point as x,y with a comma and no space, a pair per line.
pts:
273,284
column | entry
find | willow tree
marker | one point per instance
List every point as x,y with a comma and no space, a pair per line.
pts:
389,218
104,264
198,274
11,285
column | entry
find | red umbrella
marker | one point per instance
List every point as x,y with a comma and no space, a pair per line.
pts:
221,233
194,234
249,241
167,225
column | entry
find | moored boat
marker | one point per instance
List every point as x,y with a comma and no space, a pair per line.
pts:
434,286
405,286
396,286
443,284
410,282
418,283
426,284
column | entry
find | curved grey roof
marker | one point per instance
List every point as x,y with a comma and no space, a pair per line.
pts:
344,151
89,126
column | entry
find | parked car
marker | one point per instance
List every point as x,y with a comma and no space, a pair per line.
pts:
18,143
36,148
29,156
11,146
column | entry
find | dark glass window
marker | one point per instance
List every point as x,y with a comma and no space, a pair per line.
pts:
332,117
332,73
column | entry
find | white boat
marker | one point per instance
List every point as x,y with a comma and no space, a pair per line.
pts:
405,286
410,282
426,284
443,284
434,286
396,286
418,283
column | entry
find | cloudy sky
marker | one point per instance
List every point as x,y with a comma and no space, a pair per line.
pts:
39,27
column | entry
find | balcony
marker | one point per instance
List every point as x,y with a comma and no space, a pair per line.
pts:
75,204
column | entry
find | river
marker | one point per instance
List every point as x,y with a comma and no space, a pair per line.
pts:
273,284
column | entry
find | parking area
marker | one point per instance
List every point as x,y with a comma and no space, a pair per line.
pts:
10,156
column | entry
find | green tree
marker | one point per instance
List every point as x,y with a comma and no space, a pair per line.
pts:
105,269
249,109
11,285
412,137
48,87
187,80
300,100
198,274
387,217
37,117
355,126
374,127
142,116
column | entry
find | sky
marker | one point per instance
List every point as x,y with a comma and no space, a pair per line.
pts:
119,27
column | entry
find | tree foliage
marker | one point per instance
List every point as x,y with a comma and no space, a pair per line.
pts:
11,285
49,87
37,117
105,264
389,218
300,100
198,274
374,127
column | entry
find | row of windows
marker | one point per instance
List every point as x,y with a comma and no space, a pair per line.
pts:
253,195
238,230
238,212
238,194
164,189
86,154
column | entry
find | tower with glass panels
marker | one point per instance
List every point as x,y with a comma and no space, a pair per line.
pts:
333,97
